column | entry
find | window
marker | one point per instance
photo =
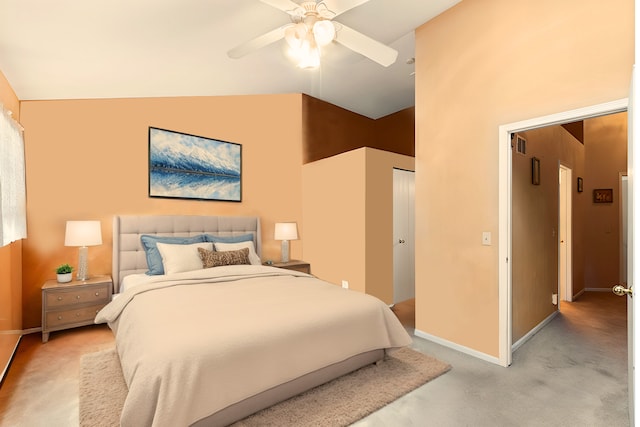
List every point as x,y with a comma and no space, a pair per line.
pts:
13,203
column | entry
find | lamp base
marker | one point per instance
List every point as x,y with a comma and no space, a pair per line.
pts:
285,251
83,270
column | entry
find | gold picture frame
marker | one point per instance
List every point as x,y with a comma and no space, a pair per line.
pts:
603,195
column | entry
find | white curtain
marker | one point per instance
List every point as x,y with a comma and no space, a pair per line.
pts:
13,200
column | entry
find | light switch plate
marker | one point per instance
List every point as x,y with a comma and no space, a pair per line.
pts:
486,238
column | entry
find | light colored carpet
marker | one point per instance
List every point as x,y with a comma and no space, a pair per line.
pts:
337,403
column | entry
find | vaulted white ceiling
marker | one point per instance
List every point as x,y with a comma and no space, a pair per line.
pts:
80,49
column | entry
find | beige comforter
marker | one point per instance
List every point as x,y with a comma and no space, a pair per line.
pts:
191,344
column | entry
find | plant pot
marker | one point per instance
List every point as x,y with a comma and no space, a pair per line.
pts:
64,277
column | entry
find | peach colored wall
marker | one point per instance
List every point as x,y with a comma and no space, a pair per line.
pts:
348,217
606,159
333,208
87,159
10,255
479,65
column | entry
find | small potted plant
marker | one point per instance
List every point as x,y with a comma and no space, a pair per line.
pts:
64,273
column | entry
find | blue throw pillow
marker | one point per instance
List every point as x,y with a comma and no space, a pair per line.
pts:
154,259
228,239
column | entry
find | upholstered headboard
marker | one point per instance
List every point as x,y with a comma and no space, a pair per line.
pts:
128,253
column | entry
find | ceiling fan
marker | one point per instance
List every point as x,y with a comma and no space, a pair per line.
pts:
313,27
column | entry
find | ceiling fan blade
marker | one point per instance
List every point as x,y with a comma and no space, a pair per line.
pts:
341,6
257,43
372,49
284,5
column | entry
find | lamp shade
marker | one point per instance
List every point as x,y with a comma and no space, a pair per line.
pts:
286,231
83,233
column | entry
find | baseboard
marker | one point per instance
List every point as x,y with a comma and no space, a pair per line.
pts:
8,365
597,289
462,349
576,296
533,331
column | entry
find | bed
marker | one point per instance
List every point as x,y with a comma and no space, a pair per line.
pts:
210,346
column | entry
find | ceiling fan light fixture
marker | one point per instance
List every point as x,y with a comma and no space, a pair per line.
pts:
295,35
324,32
308,55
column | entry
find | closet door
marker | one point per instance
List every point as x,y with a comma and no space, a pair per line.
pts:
403,235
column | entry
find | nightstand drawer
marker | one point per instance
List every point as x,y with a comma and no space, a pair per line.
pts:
54,319
94,294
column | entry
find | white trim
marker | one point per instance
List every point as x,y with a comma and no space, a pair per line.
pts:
534,331
457,347
31,331
504,206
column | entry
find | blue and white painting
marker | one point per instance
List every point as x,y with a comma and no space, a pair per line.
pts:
193,167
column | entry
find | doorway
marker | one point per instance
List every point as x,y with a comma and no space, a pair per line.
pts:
403,235
505,207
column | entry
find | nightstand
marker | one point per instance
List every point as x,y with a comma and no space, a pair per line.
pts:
294,264
73,304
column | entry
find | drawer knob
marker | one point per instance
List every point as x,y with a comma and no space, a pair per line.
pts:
77,296
59,317
77,314
59,298
97,294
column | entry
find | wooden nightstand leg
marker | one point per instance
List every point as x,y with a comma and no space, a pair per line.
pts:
45,336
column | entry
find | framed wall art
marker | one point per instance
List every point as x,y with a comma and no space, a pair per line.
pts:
603,195
535,171
193,167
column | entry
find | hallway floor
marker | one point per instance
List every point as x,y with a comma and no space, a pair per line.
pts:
572,373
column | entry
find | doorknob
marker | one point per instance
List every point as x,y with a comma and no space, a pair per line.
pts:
621,291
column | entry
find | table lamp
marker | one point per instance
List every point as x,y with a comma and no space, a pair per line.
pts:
286,231
83,234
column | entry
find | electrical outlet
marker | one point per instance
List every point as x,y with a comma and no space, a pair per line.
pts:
345,284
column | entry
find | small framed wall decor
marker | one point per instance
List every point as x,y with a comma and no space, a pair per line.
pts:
535,171
580,185
603,195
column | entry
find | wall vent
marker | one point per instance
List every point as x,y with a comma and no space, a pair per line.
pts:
521,145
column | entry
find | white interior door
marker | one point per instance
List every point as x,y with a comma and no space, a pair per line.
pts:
565,271
403,235
633,256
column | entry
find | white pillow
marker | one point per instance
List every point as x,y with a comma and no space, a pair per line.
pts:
179,258
254,259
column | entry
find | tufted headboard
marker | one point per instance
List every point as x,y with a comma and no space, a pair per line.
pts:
128,253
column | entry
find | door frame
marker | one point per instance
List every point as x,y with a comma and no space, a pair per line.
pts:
505,201
565,293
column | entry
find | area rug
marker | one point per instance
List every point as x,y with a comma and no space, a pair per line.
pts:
340,402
